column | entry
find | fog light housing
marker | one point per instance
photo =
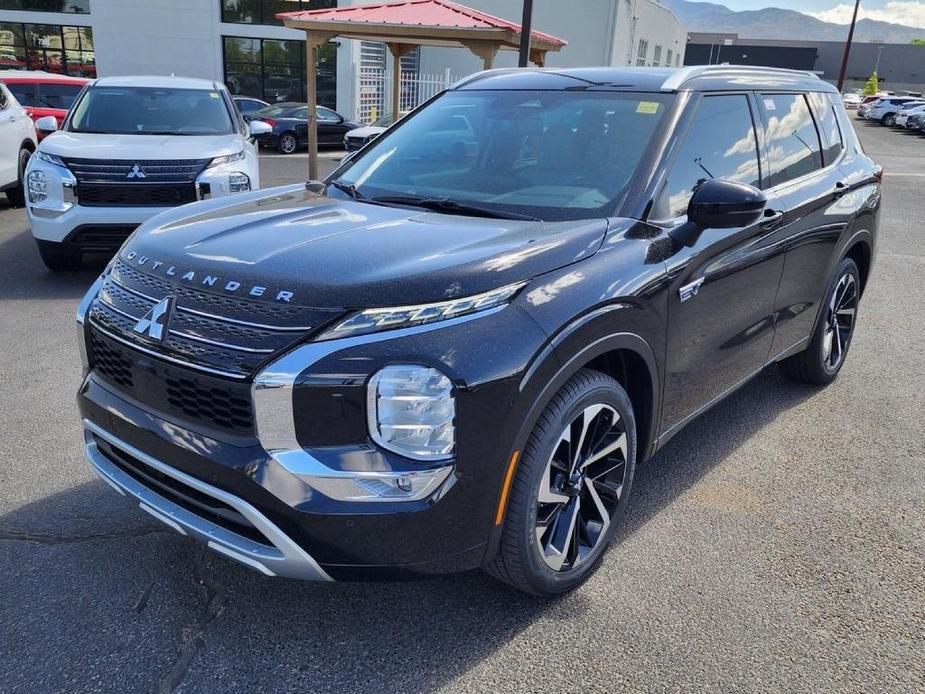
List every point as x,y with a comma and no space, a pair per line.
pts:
411,411
37,183
238,183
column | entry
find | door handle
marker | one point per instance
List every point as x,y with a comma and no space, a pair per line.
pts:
771,219
12,119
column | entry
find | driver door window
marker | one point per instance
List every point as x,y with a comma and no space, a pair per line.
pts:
719,144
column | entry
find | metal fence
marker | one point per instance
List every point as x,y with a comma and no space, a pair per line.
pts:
374,91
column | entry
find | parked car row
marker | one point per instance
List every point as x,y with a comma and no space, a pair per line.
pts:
288,123
887,109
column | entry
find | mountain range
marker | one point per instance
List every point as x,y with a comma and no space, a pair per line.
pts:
775,23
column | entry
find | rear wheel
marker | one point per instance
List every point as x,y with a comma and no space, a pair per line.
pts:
288,143
821,361
59,257
570,487
889,119
17,195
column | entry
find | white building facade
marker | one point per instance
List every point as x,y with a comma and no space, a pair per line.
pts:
241,43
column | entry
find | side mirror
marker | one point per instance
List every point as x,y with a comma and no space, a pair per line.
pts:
259,127
720,204
46,124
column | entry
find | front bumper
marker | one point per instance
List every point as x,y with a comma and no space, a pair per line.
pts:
299,487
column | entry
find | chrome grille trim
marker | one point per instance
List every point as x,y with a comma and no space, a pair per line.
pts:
157,171
212,316
166,357
187,336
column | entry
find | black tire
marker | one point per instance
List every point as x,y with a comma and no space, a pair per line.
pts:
888,119
288,143
58,257
17,195
520,562
816,364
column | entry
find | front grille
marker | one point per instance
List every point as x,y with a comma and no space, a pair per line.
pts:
171,389
149,170
135,194
136,183
200,373
106,237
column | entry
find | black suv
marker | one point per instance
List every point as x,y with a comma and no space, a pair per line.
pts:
454,351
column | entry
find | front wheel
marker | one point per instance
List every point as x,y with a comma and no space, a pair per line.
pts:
821,361
570,487
288,143
17,195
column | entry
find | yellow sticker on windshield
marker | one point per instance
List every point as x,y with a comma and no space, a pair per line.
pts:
647,107
214,95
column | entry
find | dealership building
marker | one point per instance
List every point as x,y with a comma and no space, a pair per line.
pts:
242,43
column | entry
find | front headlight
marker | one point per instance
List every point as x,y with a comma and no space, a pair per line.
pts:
51,159
238,182
376,319
37,183
411,410
226,159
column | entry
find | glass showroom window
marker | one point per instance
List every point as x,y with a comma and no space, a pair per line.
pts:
71,6
274,70
643,51
265,11
58,49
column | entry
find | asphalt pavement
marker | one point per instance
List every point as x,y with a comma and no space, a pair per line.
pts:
778,543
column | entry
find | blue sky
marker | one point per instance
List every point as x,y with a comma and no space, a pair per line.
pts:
910,12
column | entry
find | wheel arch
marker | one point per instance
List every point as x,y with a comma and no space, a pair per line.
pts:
860,251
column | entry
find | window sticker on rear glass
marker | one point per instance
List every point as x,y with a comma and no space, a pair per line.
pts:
769,105
214,95
647,107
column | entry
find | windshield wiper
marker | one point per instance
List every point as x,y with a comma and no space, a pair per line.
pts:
349,189
452,207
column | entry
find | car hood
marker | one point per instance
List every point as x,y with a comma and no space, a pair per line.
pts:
334,253
140,147
365,131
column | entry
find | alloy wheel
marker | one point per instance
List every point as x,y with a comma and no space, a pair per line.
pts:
840,318
288,144
581,487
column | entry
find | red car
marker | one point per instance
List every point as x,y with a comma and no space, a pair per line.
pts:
43,93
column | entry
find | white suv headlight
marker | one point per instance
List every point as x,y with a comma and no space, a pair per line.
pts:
411,410
226,159
37,184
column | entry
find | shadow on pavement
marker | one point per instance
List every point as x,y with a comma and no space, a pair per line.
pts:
234,628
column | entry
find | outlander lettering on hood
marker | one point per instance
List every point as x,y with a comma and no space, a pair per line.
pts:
207,280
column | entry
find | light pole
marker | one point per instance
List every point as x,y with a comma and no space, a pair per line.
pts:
844,60
525,31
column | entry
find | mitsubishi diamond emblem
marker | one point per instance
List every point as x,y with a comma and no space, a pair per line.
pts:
154,323
136,172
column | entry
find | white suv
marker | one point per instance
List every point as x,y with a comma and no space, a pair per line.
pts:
885,109
17,143
130,148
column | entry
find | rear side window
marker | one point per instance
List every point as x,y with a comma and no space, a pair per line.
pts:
828,126
25,94
793,143
719,144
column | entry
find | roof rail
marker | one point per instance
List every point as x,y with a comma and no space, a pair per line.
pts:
686,74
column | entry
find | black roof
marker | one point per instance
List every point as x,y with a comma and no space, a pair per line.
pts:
648,79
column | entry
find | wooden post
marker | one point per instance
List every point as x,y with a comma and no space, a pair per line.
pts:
313,40
397,50
486,50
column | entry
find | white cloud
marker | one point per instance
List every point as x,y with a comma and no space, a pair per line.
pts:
910,13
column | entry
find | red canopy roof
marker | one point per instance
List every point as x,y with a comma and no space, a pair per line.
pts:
438,13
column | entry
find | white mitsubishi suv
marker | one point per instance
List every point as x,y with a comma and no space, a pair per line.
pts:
130,148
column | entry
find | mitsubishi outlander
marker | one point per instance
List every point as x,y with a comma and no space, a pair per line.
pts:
131,147
454,351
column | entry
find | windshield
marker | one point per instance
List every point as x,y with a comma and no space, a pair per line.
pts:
151,111
552,155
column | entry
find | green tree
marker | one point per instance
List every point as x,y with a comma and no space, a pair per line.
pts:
873,85
918,42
